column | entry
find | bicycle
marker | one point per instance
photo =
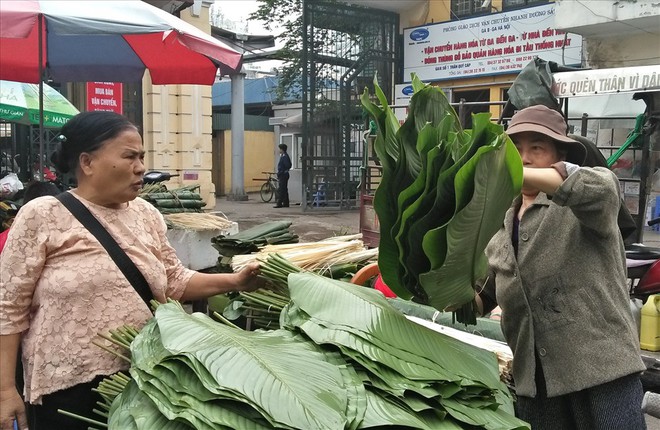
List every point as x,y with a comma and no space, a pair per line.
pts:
269,188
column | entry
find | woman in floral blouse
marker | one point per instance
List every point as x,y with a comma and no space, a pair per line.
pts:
59,287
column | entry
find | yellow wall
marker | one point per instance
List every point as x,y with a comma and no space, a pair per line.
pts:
494,83
440,10
259,156
178,134
178,126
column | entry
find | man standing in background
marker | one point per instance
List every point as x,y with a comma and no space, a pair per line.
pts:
283,167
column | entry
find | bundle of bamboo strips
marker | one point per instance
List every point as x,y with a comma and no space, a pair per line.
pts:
313,256
197,221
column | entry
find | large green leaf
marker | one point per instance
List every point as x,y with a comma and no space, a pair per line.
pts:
357,308
382,412
311,394
379,115
483,418
384,198
429,139
390,126
388,149
483,134
177,391
430,105
371,351
133,410
400,358
497,180
179,394
445,203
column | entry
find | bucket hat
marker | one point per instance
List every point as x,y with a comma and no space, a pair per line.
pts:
549,122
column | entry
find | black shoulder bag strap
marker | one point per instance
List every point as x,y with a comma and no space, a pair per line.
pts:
123,261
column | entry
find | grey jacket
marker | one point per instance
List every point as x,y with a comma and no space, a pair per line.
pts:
565,297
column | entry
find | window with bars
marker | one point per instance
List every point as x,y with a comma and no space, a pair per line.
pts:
294,145
515,4
5,129
464,8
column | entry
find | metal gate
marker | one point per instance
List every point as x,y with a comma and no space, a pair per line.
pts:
344,47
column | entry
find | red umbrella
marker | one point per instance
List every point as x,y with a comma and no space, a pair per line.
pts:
106,41
113,41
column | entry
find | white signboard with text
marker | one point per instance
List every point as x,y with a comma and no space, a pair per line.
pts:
488,45
603,81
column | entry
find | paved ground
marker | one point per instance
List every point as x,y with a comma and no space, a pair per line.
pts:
315,224
312,225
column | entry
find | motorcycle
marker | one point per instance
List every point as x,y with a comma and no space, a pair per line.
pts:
156,177
643,264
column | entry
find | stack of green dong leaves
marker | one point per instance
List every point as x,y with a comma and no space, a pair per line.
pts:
179,200
442,196
248,241
345,359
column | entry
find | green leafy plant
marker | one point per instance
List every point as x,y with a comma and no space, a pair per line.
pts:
443,195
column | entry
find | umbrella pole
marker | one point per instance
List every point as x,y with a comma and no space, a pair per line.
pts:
41,100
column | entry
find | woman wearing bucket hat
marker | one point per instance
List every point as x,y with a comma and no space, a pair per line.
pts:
558,272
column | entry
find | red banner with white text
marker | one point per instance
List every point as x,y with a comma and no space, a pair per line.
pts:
105,96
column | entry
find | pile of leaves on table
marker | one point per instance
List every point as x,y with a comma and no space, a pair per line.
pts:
344,359
443,195
248,241
178,200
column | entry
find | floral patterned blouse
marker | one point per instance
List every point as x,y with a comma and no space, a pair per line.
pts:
60,288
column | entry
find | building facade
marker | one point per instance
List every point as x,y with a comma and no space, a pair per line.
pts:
474,50
177,123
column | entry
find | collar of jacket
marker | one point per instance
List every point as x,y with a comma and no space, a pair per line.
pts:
542,199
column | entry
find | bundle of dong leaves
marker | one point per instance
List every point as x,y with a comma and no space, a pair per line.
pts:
247,241
179,200
344,359
443,195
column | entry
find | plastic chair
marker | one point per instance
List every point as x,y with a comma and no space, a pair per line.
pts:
319,196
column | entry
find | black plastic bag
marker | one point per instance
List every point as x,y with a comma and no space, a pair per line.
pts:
533,86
